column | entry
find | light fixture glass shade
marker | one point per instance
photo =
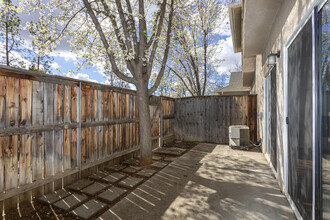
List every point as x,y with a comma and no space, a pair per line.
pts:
271,60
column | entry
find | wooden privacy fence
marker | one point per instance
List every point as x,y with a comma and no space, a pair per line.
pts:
162,121
52,127
208,118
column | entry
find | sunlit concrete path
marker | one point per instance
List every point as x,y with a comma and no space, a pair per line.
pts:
208,182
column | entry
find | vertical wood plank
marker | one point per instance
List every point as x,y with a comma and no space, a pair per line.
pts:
49,153
58,102
67,104
25,102
25,168
83,104
67,149
58,144
94,105
105,141
73,148
105,105
2,101
83,145
89,146
111,100
11,144
37,103
48,103
127,106
94,143
110,142
119,105
99,105
114,138
12,102
37,156
114,105
2,167
74,100
100,142
88,103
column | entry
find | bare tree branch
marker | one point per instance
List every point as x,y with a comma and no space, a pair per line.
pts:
132,24
168,41
106,44
159,30
124,24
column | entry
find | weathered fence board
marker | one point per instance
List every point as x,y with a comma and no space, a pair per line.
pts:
208,118
53,127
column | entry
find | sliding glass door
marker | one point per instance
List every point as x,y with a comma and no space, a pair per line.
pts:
300,119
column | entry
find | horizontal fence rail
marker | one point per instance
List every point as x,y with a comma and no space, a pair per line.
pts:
52,127
208,118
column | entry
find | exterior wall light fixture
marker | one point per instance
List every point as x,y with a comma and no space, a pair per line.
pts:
271,59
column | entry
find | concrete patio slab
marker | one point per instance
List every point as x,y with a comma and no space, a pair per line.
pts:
130,182
173,151
79,185
115,168
208,182
170,159
89,209
146,172
54,196
98,176
94,189
156,157
114,177
129,170
158,165
112,194
70,202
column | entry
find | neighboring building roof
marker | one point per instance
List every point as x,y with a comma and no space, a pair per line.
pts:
235,84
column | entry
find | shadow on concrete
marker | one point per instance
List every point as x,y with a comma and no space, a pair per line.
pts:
209,182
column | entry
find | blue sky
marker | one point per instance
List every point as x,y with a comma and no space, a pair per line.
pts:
64,59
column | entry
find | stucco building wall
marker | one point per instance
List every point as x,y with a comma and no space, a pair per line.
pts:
286,22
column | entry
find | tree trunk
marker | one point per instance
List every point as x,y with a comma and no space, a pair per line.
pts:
7,45
145,125
205,62
38,63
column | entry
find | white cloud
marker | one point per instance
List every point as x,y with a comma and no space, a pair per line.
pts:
55,65
67,55
231,59
81,76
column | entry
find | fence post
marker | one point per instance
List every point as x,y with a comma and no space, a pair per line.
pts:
161,122
79,131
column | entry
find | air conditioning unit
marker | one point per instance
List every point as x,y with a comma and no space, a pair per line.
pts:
239,135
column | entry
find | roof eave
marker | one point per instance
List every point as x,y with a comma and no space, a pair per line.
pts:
235,16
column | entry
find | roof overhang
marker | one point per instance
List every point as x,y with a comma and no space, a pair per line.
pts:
235,15
258,20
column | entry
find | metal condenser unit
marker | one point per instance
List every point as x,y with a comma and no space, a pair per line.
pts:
239,135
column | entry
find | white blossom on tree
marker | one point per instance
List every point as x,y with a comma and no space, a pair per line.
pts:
114,31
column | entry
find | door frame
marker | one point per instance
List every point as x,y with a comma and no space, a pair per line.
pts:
267,120
311,13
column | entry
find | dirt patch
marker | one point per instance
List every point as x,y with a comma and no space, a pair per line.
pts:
37,210
181,144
